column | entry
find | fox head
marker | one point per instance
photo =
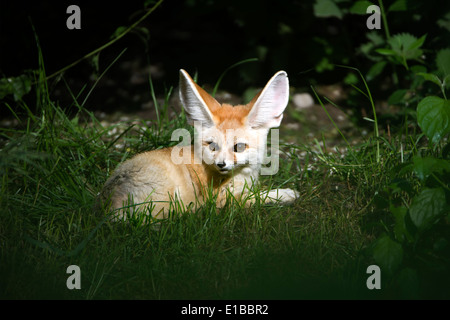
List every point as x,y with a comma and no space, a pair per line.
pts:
233,138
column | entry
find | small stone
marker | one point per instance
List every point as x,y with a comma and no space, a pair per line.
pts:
302,100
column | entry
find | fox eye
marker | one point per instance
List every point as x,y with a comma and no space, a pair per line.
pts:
213,146
240,147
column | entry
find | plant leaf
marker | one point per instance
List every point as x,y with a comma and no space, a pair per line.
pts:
430,77
397,97
327,8
446,81
386,52
118,32
406,45
17,86
400,229
418,43
388,254
443,62
399,5
375,70
424,167
427,207
360,7
433,116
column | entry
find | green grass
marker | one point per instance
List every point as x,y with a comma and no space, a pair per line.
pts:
52,167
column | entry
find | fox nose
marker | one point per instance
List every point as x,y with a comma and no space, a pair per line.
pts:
221,164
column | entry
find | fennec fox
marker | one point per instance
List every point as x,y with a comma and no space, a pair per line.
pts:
226,157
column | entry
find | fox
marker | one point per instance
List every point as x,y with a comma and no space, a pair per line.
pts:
225,159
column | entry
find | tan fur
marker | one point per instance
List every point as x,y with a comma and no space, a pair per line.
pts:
151,176
150,181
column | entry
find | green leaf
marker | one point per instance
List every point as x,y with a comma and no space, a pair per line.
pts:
443,62
418,43
327,8
446,81
388,254
424,167
95,59
17,86
397,97
148,3
375,38
386,52
118,32
433,116
427,207
400,229
351,78
399,5
444,21
375,70
405,169
360,7
430,77
400,185
407,46
418,68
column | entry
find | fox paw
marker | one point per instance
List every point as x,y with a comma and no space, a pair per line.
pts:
285,196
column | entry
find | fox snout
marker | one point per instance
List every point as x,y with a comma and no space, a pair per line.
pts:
222,160
224,166
226,153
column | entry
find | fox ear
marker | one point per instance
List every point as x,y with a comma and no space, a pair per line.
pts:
269,104
196,101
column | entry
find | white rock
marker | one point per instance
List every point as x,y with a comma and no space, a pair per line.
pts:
302,100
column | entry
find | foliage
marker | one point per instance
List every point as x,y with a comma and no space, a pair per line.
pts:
417,195
17,86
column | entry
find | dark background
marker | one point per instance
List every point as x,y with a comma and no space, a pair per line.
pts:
203,36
